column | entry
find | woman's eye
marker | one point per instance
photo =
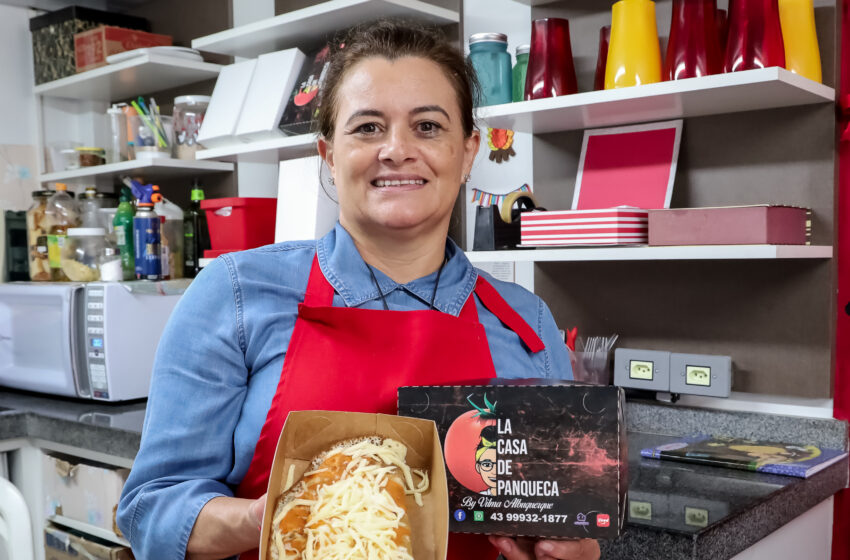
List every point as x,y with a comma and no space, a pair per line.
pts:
367,128
429,127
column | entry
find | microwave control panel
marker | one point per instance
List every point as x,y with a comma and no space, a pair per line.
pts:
95,342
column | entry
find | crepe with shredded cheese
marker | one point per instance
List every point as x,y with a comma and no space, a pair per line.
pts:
350,505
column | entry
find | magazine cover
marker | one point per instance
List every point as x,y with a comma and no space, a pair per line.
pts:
745,454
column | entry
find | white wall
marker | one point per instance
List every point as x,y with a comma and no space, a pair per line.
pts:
17,103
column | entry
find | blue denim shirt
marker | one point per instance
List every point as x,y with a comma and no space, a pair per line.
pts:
220,358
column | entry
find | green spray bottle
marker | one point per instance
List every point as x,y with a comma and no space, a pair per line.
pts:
123,224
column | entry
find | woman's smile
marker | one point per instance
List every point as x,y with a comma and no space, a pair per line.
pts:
398,182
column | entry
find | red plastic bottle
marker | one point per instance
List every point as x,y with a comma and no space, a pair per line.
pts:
602,59
694,46
755,36
551,71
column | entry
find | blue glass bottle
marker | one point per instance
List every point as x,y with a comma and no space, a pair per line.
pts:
489,55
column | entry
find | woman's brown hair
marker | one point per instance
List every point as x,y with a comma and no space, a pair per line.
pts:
392,40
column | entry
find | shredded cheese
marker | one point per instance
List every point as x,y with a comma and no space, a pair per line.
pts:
290,478
354,516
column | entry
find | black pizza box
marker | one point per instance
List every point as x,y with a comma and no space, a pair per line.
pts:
529,457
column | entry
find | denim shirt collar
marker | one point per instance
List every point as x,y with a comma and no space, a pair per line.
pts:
348,273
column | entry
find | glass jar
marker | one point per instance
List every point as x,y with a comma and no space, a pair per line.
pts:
38,227
488,53
519,72
189,111
90,157
110,263
82,254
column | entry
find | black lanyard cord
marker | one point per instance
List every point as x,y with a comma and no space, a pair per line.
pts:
384,298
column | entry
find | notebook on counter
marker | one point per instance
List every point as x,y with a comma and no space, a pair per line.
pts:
750,455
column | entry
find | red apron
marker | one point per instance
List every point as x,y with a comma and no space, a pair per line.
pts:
348,359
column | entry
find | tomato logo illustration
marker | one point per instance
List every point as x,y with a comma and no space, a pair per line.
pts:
470,447
308,91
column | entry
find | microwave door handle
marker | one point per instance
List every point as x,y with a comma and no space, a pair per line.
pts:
76,326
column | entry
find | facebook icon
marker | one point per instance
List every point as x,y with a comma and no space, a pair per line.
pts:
460,515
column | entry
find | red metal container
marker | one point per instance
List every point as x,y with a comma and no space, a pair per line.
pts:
551,71
694,46
237,224
755,36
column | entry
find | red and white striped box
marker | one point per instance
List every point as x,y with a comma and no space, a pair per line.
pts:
607,226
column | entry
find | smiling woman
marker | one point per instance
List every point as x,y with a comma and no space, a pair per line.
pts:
384,300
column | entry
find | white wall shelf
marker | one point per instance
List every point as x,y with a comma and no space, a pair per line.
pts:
313,24
287,147
88,529
751,90
150,169
644,253
131,78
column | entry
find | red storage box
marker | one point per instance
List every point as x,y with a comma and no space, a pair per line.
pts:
92,47
733,225
237,224
605,226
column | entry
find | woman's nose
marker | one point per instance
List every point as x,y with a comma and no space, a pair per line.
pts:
398,148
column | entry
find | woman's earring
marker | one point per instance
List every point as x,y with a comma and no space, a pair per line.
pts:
467,177
332,181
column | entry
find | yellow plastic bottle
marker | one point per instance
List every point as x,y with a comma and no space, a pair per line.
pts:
634,55
802,54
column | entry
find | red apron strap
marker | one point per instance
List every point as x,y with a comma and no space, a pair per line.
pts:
506,314
319,293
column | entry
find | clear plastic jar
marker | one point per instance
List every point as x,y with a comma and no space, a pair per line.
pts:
38,226
82,254
188,113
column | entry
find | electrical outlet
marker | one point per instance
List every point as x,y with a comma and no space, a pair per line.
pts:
642,369
696,374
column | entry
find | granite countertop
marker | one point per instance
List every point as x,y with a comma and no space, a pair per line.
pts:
677,511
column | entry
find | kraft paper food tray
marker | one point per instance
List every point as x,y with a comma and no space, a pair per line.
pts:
308,433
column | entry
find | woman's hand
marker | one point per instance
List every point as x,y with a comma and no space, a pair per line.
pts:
255,510
530,549
226,527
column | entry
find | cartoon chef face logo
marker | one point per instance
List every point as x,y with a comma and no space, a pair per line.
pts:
470,448
485,459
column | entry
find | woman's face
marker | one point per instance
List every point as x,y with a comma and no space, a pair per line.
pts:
398,155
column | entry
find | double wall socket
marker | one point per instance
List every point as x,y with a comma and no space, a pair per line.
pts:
691,374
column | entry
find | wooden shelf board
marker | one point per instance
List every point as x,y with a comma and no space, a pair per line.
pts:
149,168
314,24
751,90
645,253
287,147
131,78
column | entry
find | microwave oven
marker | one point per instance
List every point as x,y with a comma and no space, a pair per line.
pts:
92,341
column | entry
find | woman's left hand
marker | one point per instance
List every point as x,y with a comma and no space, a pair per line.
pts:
529,549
